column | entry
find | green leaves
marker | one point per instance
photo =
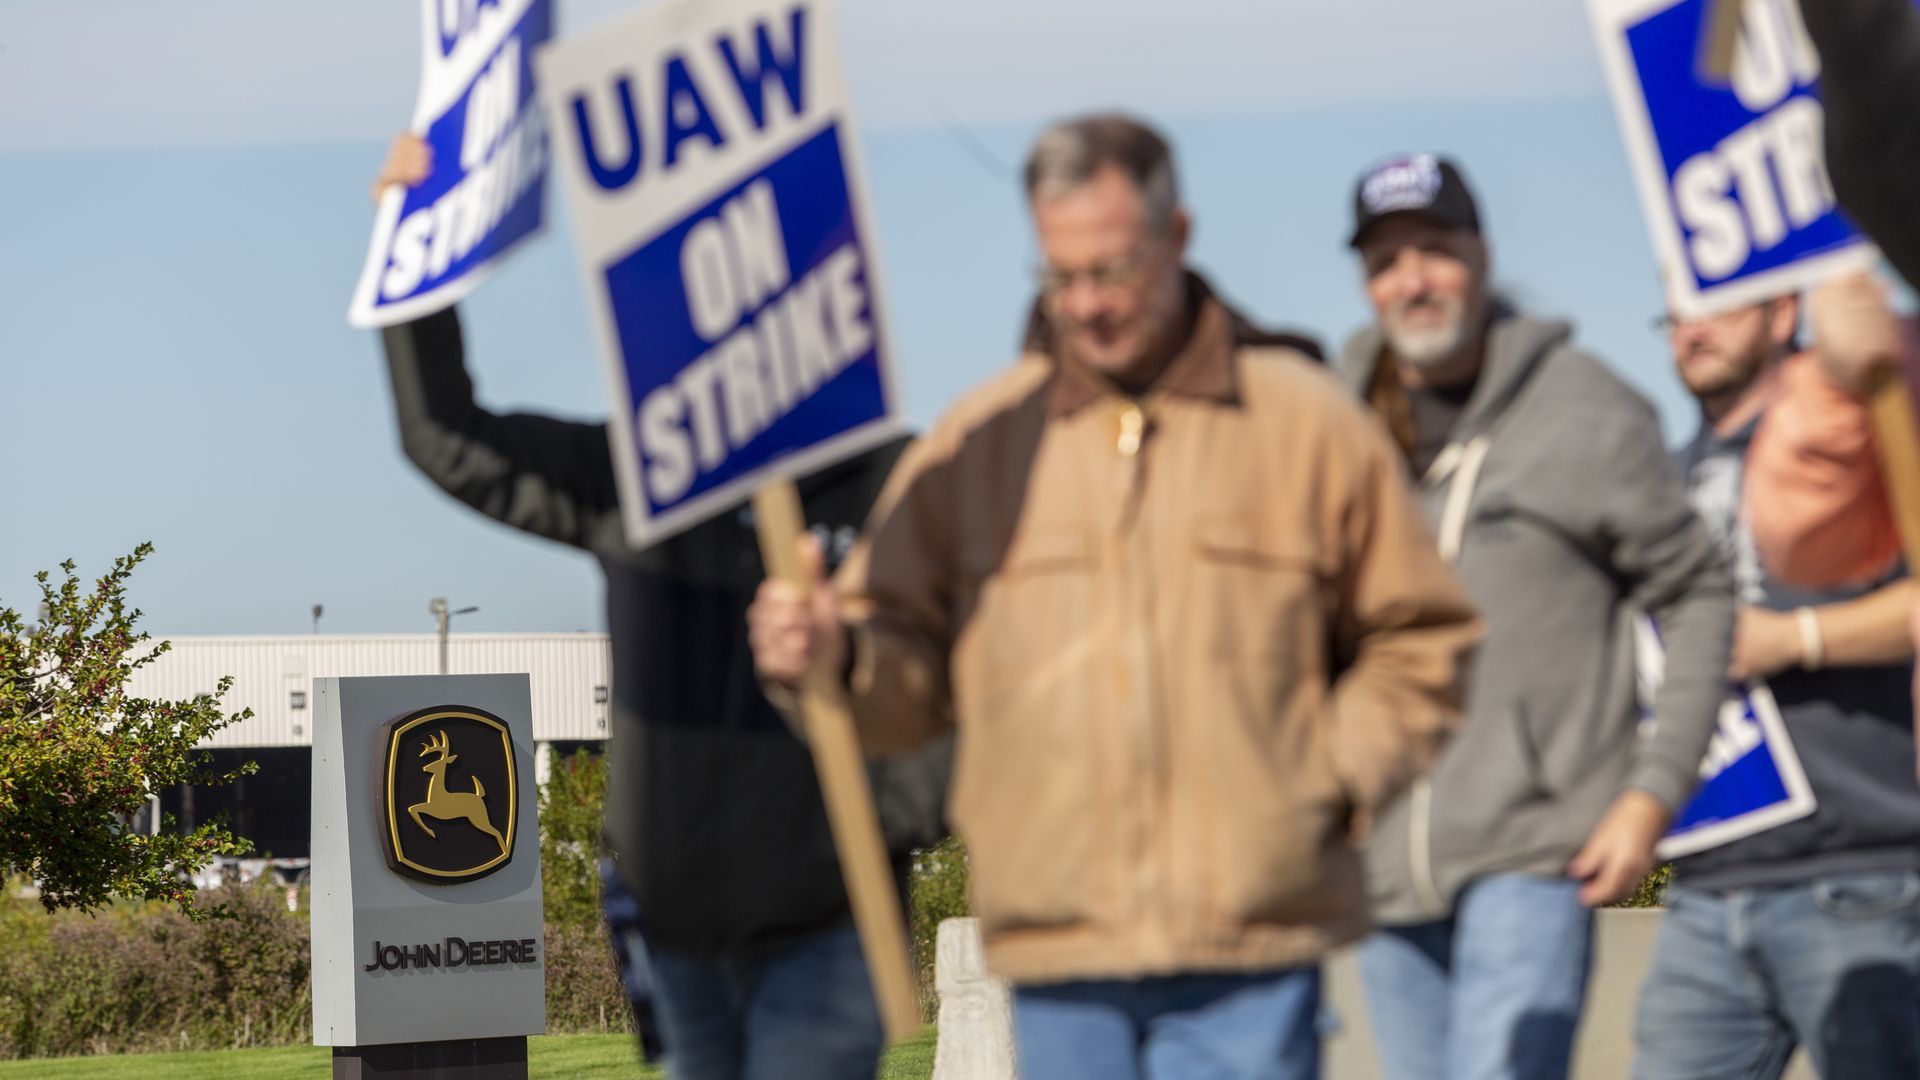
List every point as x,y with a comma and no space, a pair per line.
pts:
571,818
937,890
79,755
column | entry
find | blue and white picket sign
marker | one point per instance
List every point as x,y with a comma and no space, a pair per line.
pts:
1751,779
434,244
720,216
1733,179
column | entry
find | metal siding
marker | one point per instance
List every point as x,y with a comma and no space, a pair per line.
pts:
564,670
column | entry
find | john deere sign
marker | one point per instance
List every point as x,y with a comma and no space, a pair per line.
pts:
449,809
427,922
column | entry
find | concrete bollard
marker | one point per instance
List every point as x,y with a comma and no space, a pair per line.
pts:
976,1010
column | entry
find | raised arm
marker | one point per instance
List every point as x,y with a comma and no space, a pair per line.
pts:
549,477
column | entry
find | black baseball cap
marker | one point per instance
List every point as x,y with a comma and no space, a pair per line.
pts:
1421,184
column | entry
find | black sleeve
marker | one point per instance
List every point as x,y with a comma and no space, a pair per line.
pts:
1870,80
553,478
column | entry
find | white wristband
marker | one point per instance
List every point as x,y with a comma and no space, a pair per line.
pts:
1813,649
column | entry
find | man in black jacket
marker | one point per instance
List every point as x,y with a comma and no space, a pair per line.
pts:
713,810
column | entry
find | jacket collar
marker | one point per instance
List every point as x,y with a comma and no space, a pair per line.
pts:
1203,369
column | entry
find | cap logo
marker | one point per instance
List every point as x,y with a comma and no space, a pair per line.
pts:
1407,184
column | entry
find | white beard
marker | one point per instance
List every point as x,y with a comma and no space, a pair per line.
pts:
1428,345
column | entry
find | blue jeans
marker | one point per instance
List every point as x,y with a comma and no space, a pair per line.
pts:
1741,977
1493,993
1179,1027
805,1012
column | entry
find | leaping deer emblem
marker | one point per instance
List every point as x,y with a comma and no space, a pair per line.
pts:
444,805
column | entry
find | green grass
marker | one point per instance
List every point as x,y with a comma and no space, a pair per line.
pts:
589,1057
912,1060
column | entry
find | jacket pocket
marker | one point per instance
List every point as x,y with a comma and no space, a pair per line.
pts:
1255,617
1260,594
1034,612
1279,816
1028,798
1526,751
1491,769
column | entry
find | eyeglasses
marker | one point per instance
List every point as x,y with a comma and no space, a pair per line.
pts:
1115,273
1668,322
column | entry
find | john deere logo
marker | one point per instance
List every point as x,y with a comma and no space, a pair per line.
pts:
450,804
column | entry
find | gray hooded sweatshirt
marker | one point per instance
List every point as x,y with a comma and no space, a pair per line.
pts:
1566,519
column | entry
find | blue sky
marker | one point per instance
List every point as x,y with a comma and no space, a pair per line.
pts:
184,210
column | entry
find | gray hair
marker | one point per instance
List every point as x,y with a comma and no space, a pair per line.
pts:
1069,153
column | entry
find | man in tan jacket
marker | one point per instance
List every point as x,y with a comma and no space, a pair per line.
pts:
1174,596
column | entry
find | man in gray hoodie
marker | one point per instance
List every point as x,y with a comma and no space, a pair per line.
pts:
1551,491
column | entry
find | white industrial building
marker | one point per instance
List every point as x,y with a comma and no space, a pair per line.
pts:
273,676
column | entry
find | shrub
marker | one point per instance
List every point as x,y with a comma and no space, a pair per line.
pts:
140,976
260,963
78,753
584,994
936,890
146,977
1651,891
572,811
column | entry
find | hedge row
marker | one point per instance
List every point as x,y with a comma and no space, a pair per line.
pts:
145,978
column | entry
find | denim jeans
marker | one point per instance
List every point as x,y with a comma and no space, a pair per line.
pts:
1493,993
1739,978
805,1012
1179,1027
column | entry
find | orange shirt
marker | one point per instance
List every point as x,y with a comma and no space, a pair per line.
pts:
1815,498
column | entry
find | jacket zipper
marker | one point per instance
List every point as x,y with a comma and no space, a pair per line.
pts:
1458,465
1131,438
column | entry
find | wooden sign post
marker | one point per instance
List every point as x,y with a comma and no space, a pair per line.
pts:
1721,36
687,257
842,767
1897,439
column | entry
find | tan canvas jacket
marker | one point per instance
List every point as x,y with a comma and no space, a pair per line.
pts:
1187,641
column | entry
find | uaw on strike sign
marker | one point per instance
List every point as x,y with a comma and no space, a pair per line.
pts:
1751,779
434,244
709,162
1733,178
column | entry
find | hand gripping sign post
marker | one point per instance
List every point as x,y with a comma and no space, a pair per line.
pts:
428,947
1733,176
720,217
434,244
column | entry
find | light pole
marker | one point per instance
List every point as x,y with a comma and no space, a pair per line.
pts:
318,610
437,607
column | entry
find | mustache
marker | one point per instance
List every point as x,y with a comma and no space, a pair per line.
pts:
1098,324
1426,301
